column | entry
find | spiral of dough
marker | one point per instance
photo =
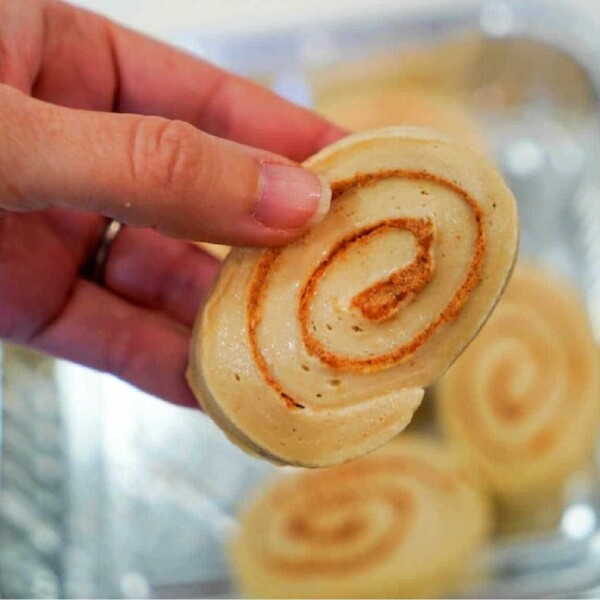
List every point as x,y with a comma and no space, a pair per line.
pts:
404,521
318,352
523,400
217,250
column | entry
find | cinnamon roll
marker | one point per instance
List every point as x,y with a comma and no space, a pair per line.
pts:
375,106
404,521
318,352
522,403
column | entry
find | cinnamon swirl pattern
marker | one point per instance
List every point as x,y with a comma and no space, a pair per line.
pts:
523,401
317,353
404,521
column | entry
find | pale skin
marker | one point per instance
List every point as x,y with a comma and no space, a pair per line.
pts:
99,122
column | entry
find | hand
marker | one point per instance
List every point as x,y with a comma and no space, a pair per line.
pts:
67,161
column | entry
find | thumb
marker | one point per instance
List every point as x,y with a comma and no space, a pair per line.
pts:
152,172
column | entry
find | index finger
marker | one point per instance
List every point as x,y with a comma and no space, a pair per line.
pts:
157,79
75,58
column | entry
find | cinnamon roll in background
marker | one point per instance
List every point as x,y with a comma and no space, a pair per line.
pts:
404,521
370,107
451,68
522,403
318,352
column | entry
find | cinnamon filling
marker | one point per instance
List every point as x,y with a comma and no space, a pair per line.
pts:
381,301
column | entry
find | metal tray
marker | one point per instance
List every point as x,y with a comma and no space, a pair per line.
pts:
106,492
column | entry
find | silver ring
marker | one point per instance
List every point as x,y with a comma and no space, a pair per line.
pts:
95,268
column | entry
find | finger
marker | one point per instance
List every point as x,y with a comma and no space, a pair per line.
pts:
97,329
160,273
74,58
152,172
157,79
144,267
40,256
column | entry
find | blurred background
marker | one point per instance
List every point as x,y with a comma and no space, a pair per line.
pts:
235,16
105,492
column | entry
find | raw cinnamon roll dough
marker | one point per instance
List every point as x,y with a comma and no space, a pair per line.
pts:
404,521
217,250
318,352
522,403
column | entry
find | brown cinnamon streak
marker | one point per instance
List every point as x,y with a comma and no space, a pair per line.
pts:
383,300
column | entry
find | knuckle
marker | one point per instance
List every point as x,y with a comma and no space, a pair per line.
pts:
5,60
165,153
120,351
181,284
14,137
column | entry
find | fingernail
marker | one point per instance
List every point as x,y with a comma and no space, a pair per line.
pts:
292,197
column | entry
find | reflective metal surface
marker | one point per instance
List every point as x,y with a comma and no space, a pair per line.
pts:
106,492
